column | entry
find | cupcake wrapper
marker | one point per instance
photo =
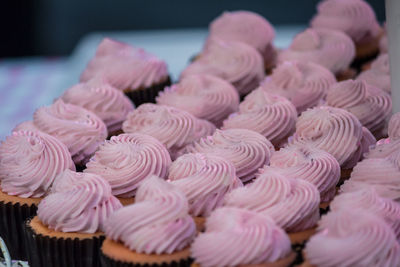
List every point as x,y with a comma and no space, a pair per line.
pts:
59,252
147,95
108,262
12,218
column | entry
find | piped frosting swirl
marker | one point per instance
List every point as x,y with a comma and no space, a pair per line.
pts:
379,73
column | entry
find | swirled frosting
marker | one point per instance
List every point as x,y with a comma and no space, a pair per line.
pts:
158,222
173,127
367,199
310,164
104,100
79,202
354,17
29,163
271,115
353,238
292,203
235,62
379,73
205,179
253,238
128,159
305,84
336,131
247,150
205,96
329,48
125,67
370,104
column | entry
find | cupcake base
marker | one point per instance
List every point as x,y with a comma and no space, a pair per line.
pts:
200,223
126,201
114,254
146,95
350,73
13,213
301,237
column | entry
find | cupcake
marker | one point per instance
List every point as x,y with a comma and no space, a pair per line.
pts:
305,84
247,150
67,230
371,105
354,17
134,71
127,160
379,73
336,131
247,27
352,237
310,164
270,115
29,162
330,48
236,62
78,128
205,179
292,203
238,237
155,231
104,100
383,42
173,127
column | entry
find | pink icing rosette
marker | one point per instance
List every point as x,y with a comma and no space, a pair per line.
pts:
370,104
173,127
205,96
104,100
125,67
336,131
270,115
205,179
158,222
305,84
236,237
79,202
247,150
310,164
30,161
128,159
379,73
292,203
332,49
235,62
353,237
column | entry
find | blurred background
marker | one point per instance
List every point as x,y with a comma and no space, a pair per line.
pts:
45,44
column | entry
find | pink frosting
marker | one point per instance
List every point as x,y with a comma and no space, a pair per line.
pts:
354,17
30,161
370,104
329,48
271,115
158,222
379,73
128,159
353,238
247,150
205,96
247,27
383,44
336,131
173,127
235,62
236,236
125,67
292,203
79,202
104,100
305,84
205,179
367,199
310,164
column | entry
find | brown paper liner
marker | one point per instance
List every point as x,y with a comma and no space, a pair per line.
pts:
126,201
200,223
57,249
301,237
350,73
146,95
344,175
13,212
114,254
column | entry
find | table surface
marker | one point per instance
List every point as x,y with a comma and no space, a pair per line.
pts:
28,83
